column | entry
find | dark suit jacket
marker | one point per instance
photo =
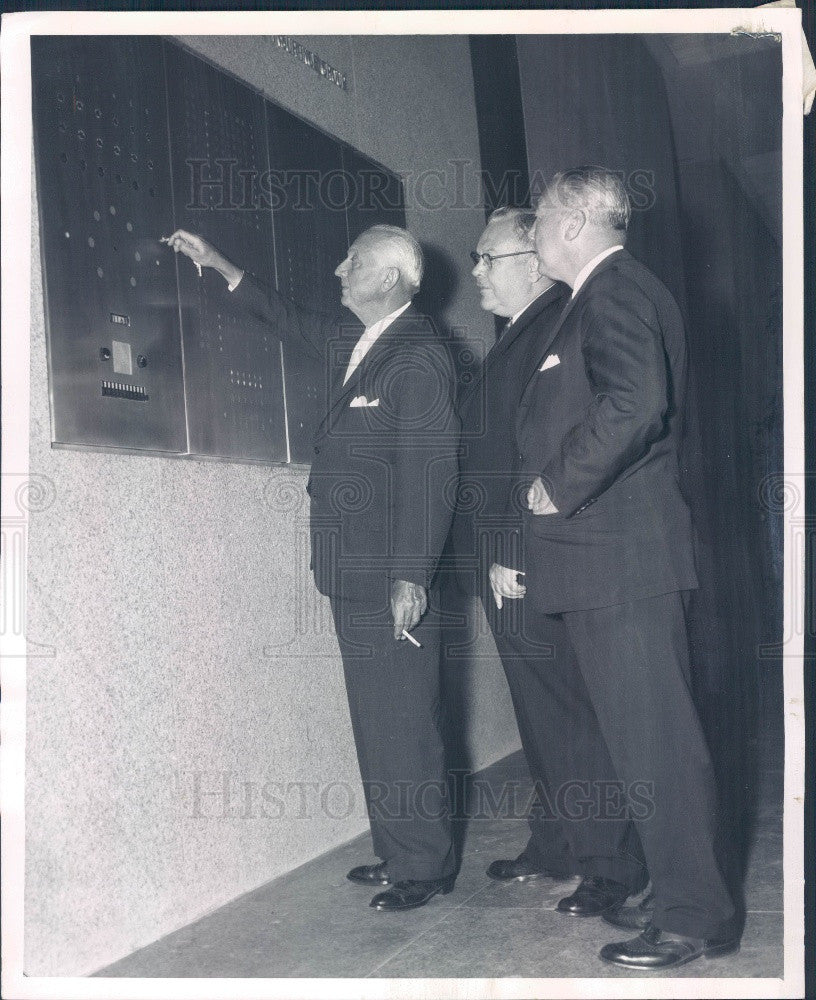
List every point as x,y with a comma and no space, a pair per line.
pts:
601,425
380,474
488,466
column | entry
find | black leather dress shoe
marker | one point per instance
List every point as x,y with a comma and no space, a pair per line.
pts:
593,897
632,918
411,893
656,949
370,875
520,870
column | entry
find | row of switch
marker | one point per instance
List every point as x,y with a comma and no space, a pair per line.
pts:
122,390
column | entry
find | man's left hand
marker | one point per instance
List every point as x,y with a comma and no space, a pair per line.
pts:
409,603
538,499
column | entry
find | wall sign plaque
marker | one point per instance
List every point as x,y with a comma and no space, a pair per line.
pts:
312,59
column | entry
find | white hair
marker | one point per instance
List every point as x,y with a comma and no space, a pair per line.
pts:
404,252
599,192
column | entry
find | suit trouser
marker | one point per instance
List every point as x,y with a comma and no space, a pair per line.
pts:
632,662
397,717
575,824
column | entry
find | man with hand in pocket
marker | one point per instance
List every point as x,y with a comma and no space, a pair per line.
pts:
609,564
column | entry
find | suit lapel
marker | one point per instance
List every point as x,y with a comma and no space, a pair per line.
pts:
530,314
341,394
570,305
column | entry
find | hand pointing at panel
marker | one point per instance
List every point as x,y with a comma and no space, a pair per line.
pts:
203,254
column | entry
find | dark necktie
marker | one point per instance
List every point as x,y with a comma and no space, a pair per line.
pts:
495,345
503,333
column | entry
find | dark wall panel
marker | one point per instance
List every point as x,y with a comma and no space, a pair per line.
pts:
375,196
311,238
105,197
324,194
601,99
502,142
235,402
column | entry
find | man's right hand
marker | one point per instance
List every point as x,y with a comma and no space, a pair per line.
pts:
203,253
504,583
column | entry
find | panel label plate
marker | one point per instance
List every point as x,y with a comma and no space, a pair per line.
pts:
122,359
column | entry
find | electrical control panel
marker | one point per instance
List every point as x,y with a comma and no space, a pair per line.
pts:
103,173
136,137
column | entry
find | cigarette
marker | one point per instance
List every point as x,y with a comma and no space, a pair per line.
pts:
410,638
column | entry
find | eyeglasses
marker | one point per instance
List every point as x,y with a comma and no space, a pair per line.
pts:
488,258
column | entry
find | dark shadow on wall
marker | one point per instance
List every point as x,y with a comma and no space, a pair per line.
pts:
736,318
457,665
440,286
601,99
440,282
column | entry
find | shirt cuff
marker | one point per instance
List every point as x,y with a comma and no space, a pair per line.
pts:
234,284
415,576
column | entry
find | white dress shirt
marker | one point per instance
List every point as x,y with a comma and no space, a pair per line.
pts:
369,338
515,316
587,269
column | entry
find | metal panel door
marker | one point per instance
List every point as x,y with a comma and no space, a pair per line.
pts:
104,191
232,367
310,241
375,194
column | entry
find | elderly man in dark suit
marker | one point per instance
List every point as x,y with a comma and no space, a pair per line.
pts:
512,287
609,558
383,456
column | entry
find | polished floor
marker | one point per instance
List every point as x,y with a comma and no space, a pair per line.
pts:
312,922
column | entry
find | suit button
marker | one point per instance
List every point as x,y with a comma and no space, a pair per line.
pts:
316,450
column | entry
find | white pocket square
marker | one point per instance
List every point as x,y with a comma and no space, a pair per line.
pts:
551,361
362,401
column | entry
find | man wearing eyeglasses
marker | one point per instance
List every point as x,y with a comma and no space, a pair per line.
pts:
487,546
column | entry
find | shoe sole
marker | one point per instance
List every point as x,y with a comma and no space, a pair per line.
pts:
517,878
411,906
718,951
596,913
